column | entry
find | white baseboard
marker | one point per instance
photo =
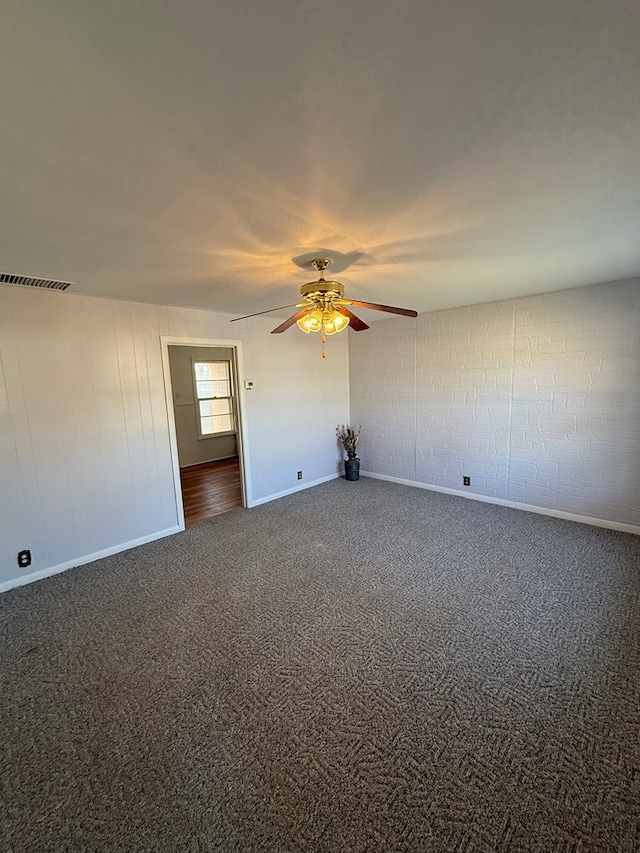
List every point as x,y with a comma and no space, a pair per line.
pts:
87,558
5,586
208,461
291,491
555,513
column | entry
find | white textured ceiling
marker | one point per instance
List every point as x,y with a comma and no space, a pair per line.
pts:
199,153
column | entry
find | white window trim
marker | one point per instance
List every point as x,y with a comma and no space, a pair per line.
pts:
199,435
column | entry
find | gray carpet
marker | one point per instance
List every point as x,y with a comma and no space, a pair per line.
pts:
357,667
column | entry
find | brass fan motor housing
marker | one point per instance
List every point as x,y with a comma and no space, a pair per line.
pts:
322,290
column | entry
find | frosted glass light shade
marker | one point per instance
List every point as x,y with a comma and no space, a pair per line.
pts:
311,322
334,322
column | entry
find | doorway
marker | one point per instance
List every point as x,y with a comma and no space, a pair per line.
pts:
210,488
204,401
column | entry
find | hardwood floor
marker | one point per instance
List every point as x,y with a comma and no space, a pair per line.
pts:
210,488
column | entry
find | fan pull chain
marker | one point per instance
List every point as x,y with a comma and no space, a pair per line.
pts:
324,340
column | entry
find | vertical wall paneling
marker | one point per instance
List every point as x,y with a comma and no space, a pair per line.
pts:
111,428
14,491
130,396
85,451
24,358
166,506
75,413
152,319
300,397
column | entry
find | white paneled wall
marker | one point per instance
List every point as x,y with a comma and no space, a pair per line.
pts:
85,460
536,399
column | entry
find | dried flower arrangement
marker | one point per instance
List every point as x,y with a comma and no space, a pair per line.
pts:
349,437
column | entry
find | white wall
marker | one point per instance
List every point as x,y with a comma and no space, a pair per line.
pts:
537,399
85,459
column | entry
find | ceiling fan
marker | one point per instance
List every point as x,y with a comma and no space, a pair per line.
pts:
325,309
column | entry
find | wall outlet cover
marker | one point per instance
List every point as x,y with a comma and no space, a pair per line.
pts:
24,558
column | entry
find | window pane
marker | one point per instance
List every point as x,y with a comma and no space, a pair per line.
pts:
212,389
213,392
216,370
215,407
220,423
201,369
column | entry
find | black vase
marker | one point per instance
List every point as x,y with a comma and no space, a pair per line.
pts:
352,468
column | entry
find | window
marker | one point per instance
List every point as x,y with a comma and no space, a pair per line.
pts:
214,399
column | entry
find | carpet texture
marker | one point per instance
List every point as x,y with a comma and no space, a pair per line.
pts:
358,667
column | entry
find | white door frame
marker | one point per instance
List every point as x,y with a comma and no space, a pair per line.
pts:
241,435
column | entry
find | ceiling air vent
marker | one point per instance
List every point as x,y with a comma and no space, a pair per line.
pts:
32,281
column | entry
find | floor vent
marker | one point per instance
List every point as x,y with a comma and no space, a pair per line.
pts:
32,281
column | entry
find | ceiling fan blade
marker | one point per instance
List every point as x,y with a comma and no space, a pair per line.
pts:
406,312
294,319
355,323
268,311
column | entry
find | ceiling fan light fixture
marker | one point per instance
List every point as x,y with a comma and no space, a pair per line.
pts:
324,308
334,322
329,321
311,322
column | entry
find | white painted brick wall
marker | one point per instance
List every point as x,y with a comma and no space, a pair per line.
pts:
387,392
582,365
537,399
463,385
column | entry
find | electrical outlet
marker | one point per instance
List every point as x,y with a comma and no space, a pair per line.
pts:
466,481
299,475
24,558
